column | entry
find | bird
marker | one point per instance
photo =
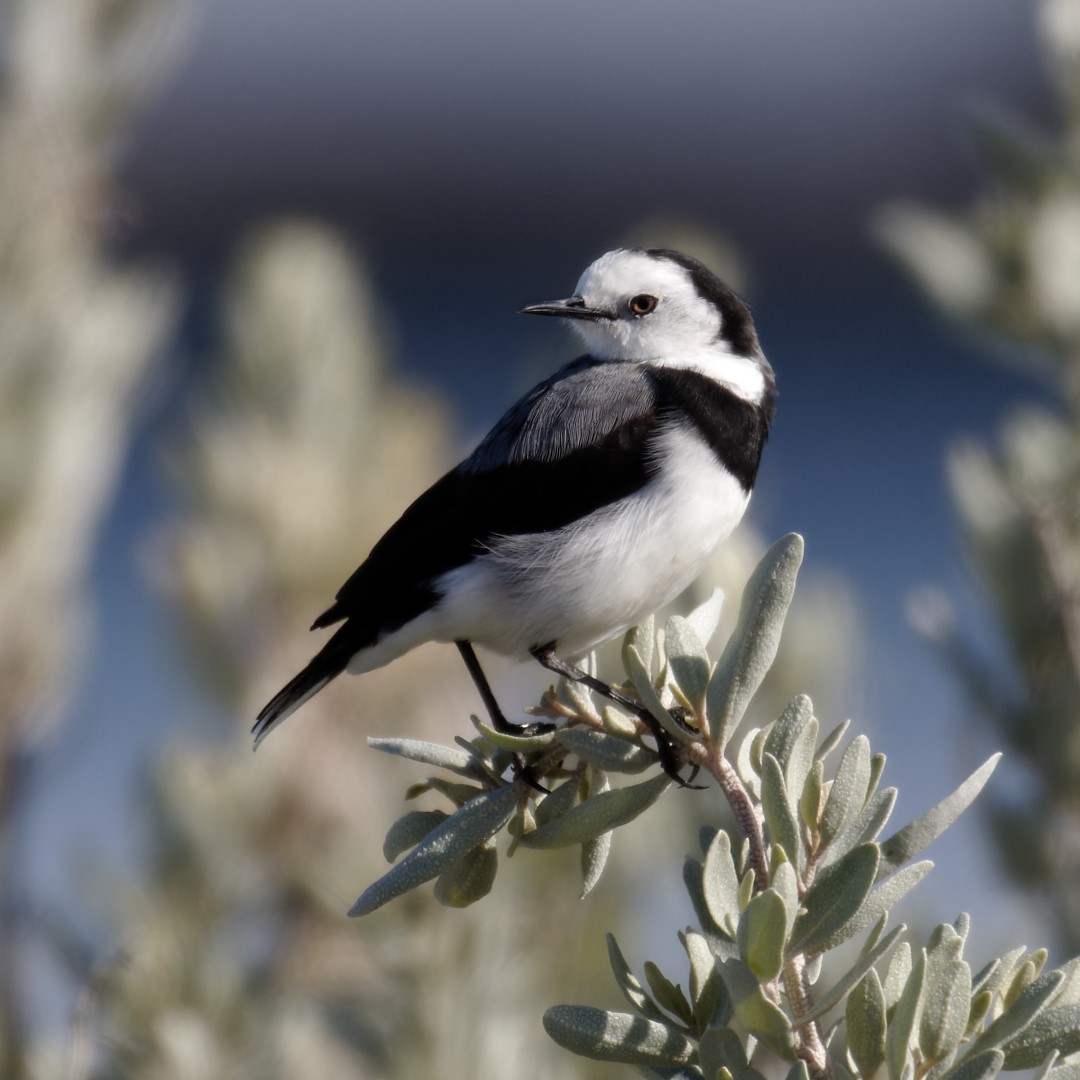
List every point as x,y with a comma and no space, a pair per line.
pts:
598,497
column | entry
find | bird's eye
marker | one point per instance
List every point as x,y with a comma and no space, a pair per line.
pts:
642,304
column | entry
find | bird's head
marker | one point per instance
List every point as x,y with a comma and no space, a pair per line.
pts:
665,308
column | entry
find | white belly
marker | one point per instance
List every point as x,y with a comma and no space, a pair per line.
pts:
587,582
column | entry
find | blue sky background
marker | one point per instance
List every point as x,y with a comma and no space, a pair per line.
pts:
480,155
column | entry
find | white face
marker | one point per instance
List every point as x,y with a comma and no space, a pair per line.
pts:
682,330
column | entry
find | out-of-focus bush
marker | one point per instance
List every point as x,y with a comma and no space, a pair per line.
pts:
1009,269
77,335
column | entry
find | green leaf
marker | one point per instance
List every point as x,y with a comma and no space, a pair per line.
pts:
863,827
598,814
578,697
864,964
561,799
788,727
750,651
987,973
606,751
832,740
642,638
748,764
519,744
834,899
618,723
459,794
810,801
877,768
629,984
706,616
648,696
760,1016
1023,978
910,840
898,1039
1068,1071
881,899
786,884
1043,1069
720,941
712,1007
998,972
1056,1028
847,796
721,1050
667,994
762,933
409,830
982,1066
746,888
1016,1018
980,1009
874,817
619,1037
1070,990
721,884
865,1014
799,753
875,934
688,661
594,853
896,974
465,829
780,821
429,753
469,878
946,996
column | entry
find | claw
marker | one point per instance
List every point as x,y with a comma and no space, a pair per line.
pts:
669,762
522,770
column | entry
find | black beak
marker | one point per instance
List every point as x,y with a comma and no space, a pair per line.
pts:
573,307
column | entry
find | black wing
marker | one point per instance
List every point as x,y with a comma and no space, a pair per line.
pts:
573,444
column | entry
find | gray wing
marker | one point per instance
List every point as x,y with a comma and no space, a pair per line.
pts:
580,405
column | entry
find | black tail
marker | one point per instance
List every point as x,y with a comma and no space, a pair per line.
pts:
327,664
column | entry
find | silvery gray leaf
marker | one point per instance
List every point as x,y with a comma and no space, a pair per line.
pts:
752,647
598,814
451,758
910,840
466,828
409,830
615,1036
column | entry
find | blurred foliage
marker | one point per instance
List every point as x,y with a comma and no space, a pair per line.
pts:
1009,268
77,336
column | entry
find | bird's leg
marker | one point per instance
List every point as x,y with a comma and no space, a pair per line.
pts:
498,721
665,748
522,770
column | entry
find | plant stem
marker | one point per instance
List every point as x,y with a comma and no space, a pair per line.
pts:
801,998
746,815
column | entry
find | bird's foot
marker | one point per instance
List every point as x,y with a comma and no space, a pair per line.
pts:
668,751
524,772
666,747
